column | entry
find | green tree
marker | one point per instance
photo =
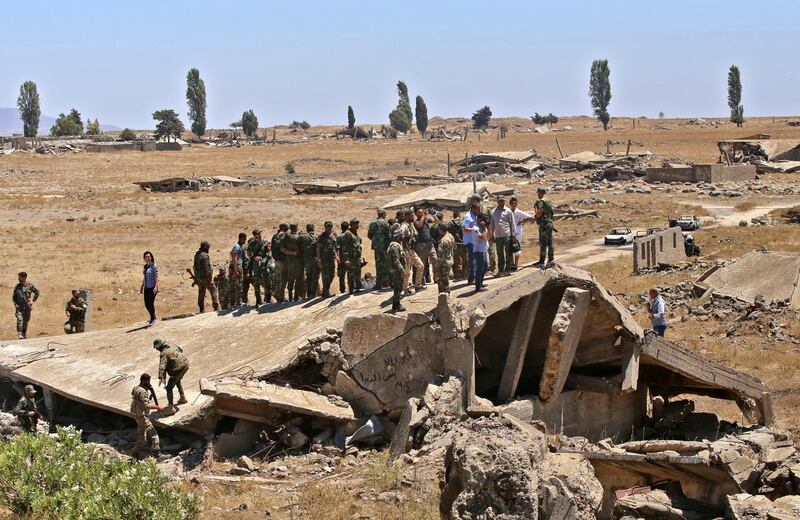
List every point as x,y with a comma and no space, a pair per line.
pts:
70,124
127,135
735,95
600,90
351,117
401,117
196,99
481,118
93,127
249,123
29,110
169,124
421,113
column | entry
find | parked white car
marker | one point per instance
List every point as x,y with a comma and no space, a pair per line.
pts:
619,237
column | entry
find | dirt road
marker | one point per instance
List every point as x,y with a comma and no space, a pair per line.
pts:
594,250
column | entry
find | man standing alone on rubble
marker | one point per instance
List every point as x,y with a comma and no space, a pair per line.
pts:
173,363
204,278
25,294
543,209
140,409
657,311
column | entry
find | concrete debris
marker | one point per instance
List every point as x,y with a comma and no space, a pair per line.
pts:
752,150
174,184
450,196
661,505
500,163
333,186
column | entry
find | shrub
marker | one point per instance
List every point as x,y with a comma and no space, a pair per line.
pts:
543,120
289,168
481,117
57,476
127,135
305,125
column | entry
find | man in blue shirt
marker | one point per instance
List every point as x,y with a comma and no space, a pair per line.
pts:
468,223
657,312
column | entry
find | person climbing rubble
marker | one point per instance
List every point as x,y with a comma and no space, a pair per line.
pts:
173,363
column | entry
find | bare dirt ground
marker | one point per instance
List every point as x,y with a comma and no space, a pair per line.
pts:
78,220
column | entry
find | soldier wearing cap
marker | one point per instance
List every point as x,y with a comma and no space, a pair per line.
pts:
543,211
292,247
253,253
281,274
308,242
350,253
341,270
327,257
222,285
140,409
173,363
396,259
204,277
262,267
76,313
380,234
237,269
24,295
26,411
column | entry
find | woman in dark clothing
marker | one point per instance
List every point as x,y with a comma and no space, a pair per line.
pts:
150,285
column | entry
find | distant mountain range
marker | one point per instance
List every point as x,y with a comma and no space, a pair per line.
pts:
10,123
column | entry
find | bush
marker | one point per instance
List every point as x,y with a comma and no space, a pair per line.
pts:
127,135
305,125
481,118
543,120
57,476
289,168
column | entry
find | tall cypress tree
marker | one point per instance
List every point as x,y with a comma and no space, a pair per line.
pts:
351,117
735,95
600,90
196,99
421,112
29,109
400,118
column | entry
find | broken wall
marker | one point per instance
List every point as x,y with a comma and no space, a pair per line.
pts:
662,248
703,173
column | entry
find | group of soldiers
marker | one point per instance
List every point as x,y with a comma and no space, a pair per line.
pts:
25,295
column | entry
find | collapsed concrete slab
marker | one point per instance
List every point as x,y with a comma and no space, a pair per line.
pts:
449,196
333,186
703,173
747,150
778,280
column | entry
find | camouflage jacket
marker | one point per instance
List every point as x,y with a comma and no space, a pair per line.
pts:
275,246
379,233
172,361
308,243
80,312
327,244
24,406
140,400
24,294
255,248
544,211
445,249
397,258
291,243
221,282
202,265
350,247
454,228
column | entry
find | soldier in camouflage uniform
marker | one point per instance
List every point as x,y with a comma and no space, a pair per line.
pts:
543,209
327,257
292,247
253,253
309,243
263,273
203,277
380,234
26,412
222,283
341,270
76,313
140,409
281,278
173,363
395,255
444,260
351,256
461,254
23,297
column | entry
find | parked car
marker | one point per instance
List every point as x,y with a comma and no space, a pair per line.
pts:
619,236
686,223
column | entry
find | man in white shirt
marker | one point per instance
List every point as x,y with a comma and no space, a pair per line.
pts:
520,217
468,223
503,229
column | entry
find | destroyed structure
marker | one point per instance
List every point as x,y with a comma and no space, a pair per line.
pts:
449,197
500,163
767,155
173,184
711,173
334,186
659,249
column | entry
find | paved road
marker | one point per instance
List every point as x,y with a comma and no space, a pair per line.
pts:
593,251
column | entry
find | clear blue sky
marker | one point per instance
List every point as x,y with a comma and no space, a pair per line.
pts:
120,61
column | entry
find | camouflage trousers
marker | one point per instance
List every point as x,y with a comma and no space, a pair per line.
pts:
312,273
413,265
460,261
175,381
280,281
296,282
23,317
263,276
29,423
546,242
382,266
144,432
204,285
396,279
223,293
235,287
341,272
76,326
441,271
327,271
354,276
